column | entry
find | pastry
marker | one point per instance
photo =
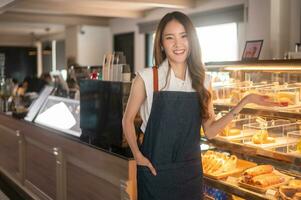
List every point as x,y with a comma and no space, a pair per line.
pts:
215,162
230,164
258,170
295,183
266,180
230,131
288,192
261,137
289,97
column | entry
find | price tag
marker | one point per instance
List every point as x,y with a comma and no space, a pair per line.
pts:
271,192
232,180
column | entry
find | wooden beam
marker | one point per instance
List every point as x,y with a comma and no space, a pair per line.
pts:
83,8
53,19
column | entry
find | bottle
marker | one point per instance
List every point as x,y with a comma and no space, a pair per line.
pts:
126,73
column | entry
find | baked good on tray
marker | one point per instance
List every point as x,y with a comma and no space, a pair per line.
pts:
215,162
258,170
262,176
230,132
266,180
292,191
262,137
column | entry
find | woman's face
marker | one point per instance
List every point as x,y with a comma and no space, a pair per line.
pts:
175,42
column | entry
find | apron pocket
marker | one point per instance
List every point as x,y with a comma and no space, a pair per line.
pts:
173,181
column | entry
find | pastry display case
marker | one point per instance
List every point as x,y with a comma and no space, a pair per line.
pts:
258,155
61,114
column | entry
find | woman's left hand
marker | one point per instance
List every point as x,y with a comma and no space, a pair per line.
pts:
261,100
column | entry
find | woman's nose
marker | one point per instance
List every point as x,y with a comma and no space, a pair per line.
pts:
177,42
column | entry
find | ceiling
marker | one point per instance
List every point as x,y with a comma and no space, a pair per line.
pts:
43,17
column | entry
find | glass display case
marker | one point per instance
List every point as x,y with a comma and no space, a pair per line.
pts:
61,114
268,136
37,104
234,130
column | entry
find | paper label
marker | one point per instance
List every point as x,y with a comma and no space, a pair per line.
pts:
271,192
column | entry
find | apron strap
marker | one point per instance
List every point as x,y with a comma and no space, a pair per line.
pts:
155,78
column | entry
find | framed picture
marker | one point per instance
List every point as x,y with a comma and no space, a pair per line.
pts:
252,50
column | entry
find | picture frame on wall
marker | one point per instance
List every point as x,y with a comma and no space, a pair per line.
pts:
252,50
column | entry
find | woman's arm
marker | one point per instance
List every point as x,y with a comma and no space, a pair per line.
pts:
212,127
136,98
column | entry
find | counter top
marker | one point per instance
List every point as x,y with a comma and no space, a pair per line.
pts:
124,153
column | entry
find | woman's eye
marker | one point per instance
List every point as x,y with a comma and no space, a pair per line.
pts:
168,38
184,36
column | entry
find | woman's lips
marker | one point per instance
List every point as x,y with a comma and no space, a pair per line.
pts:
179,52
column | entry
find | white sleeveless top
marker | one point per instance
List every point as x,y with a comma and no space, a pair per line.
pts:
174,84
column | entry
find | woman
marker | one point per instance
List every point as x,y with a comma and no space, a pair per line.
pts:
174,101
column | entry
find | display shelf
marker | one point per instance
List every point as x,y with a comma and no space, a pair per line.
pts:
256,65
278,73
291,114
234,189
282,160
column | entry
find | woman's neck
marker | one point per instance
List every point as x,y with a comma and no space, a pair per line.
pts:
179,69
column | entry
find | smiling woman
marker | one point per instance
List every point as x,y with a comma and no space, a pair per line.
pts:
174,101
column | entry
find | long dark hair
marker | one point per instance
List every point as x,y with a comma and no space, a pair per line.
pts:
196,68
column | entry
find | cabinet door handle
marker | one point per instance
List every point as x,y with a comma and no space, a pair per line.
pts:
17,133
55,151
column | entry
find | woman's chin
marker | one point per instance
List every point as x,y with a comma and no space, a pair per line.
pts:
178,59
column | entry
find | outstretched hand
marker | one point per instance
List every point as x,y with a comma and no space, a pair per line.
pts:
261,100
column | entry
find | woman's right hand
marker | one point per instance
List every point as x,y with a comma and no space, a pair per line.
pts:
261,100
143,161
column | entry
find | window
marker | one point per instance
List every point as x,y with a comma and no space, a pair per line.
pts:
218,42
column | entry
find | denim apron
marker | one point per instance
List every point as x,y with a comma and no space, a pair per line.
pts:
172,144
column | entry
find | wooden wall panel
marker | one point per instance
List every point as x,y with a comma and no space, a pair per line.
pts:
40,168
9,154
56,166
84,185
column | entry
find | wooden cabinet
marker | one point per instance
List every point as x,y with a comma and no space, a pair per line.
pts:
40,169
10,144
47,165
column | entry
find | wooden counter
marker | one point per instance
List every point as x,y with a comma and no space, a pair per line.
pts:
47,164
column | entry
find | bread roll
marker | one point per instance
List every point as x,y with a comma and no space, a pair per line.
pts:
295,183
215,162
230,164
230,131
261,137
258,170
266,180
287,191
289,97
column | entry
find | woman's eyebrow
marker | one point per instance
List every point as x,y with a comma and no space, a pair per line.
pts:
171,34
168,34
